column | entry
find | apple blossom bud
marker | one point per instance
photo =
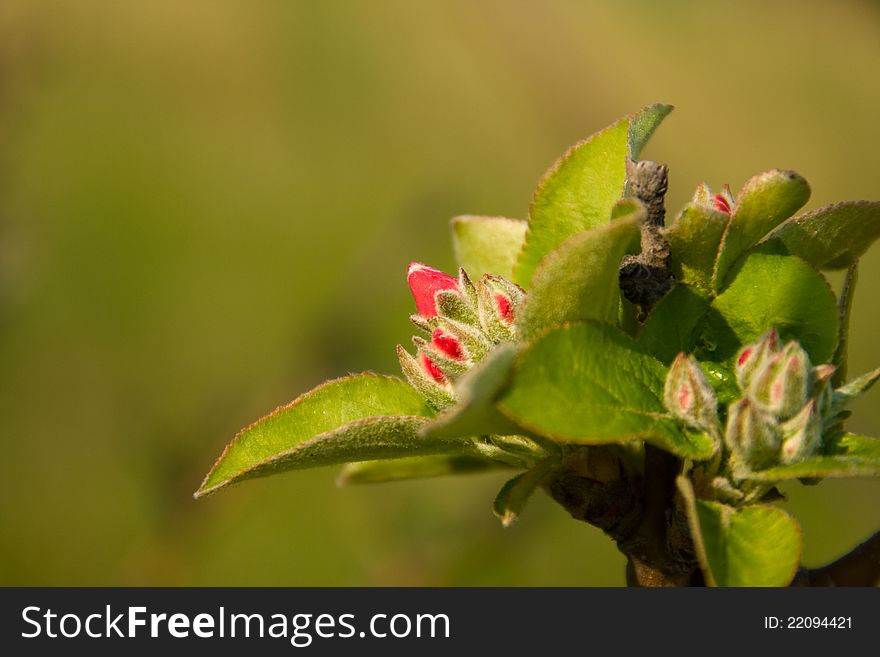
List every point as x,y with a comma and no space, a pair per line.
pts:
822,390
802,434
431,369
452,305
447,344
505,311
426,377
753,357
467,287
689,397
751,435
781,386
425,282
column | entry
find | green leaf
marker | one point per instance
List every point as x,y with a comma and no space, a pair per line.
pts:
578,279
846,455
474,413
414,467
774,291
512,498
487,245
764,202
693,243
855,388
643,124
356,418
589,384
675,324
750,546
576,194
833,237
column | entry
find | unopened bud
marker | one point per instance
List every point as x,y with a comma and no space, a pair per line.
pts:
447,344
753,357
467,287
425,282
689,397
722,202
426,377
505,310
499,302
751,436
783,384
822,389
801,435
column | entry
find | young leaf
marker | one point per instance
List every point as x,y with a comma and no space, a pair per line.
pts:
693,243
764,202
833,237
487,245
675,324
855,388
578,279
773,291
643,124
588,383
474,414
355,418
846,455
749,546
414,467
576,194
512,497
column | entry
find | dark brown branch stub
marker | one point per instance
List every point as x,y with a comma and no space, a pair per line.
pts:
646,278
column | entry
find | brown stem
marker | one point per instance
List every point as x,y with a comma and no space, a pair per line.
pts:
859,567
594,485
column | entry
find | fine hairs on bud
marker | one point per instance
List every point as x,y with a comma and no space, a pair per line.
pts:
689,397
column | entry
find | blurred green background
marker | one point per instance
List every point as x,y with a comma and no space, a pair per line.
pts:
207,208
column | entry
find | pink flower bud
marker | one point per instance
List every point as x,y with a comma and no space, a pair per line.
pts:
504,308
752,358
721,204
802,434
751,435
425,282
689,397
431,369
447,344
781,386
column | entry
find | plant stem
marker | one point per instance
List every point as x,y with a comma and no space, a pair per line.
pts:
859,567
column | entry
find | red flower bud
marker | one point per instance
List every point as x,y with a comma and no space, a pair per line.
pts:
425,282
504,308
432,370
447,344
721,204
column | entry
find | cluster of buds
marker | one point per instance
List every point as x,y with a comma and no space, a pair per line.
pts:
786,406
463,320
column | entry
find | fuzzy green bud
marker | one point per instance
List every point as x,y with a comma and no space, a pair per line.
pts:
752,436
802,434
689,397
782,385
754,357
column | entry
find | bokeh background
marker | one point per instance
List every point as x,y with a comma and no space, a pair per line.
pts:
207,208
